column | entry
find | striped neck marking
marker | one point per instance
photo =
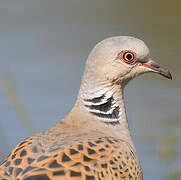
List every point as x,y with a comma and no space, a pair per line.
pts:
104,107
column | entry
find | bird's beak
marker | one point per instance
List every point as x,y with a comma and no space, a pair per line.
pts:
156,68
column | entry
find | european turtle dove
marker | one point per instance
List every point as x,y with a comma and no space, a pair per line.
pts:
93,141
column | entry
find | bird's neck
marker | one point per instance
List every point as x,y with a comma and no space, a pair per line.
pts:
105,103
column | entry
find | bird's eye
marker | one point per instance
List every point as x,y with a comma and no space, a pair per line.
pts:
128,57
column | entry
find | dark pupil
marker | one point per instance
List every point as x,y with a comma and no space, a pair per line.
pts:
129,56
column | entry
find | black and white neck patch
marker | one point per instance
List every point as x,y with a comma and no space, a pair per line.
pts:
104,107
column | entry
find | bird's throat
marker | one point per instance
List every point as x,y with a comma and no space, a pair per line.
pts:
105,104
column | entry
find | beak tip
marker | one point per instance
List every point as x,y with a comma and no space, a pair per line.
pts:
170,76
167,74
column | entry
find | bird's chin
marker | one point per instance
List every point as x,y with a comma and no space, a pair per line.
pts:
156,68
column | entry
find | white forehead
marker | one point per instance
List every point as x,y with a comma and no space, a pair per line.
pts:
120,43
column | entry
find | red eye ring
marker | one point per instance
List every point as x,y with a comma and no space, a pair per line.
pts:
129,57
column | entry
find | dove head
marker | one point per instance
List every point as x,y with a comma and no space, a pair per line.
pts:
119,59
110,66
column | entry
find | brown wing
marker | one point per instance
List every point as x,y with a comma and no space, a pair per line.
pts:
103,158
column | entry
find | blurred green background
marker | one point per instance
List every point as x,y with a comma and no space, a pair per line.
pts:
43,48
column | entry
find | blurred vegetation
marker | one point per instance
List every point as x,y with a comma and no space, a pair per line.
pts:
9,87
